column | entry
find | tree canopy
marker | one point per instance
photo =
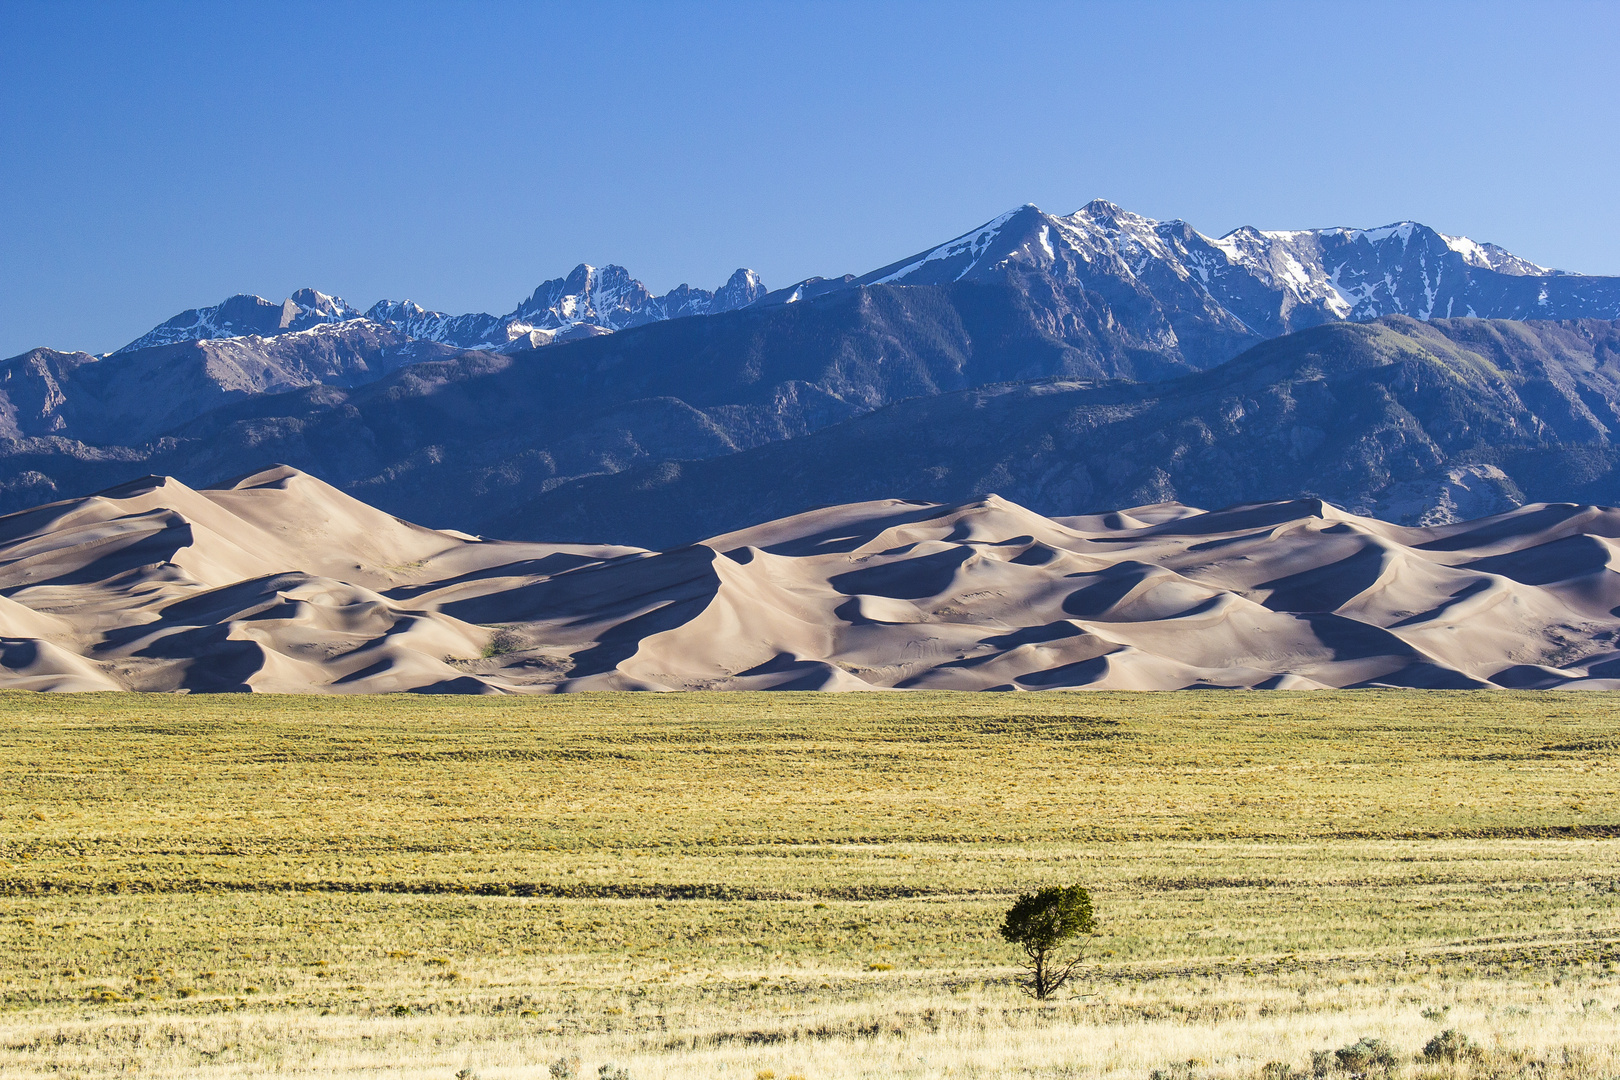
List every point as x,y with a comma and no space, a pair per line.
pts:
1040,922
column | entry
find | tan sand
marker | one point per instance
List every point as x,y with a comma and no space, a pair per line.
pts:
280,582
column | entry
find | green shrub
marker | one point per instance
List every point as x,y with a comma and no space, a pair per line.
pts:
504,640
1452,1045
1365,1056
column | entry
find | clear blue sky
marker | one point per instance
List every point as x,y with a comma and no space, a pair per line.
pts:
158,156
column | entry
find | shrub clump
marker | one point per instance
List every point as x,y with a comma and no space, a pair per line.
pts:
1452,1045
501,642
1177,1070
1360,1058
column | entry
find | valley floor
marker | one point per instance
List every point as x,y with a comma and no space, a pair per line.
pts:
762,887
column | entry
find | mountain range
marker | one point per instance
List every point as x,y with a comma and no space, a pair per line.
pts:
588,301
1105,279
1074,363
1132,287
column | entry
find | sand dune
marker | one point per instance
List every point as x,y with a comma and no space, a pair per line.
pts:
279,582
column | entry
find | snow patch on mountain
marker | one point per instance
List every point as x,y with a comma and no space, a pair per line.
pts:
1491,257
973,245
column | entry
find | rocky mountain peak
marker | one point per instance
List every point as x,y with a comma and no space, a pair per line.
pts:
1102,210
313,304
741,289
246,314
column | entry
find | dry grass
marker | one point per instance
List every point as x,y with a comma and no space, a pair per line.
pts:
721,885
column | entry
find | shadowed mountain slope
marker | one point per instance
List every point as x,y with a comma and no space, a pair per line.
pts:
882,392
1417,422
133,397
279,582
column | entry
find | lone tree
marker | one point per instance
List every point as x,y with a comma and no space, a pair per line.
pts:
1039,923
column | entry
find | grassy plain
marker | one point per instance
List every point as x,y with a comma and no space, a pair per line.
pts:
803,885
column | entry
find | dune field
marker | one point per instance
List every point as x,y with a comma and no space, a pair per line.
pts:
279,582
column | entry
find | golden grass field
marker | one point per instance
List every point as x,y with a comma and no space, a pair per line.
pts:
780,885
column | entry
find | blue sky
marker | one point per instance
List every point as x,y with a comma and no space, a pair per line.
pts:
158,156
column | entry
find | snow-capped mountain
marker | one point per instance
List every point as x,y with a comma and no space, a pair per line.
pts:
476,331
587,302
241,315
612,299
1142,297
1166,289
